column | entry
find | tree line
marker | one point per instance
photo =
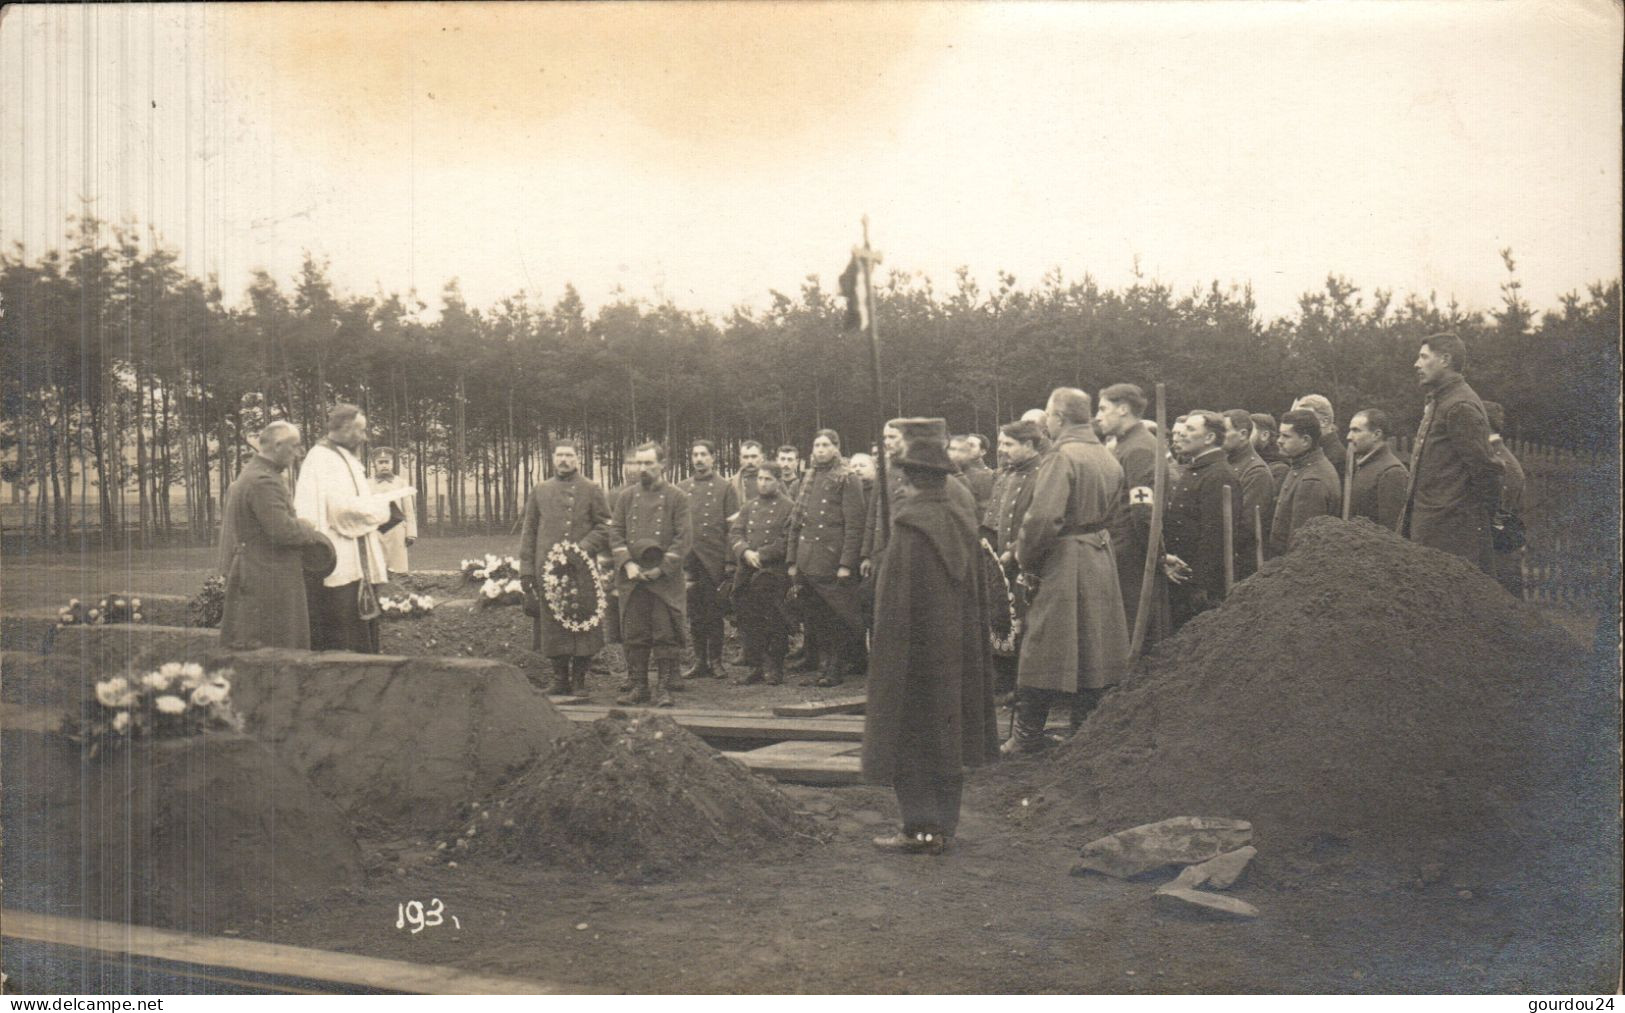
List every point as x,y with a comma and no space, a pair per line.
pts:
118,364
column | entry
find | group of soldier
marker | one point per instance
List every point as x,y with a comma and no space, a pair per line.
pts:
900,574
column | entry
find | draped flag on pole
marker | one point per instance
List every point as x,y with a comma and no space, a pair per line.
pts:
856,294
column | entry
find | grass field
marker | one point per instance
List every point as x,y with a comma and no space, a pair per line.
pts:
35,579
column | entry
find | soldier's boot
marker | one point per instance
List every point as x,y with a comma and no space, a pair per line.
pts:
665,672
1028,734
719,664
579,667
834,671
561,677
810,656
775,671
702,661
618,666
757,674
637,675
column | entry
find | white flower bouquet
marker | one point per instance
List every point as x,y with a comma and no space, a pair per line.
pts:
112,608
501,592
490,567
174,701
409,606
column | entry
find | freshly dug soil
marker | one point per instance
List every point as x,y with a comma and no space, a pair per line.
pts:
199,834
396,742
456,629
1363,697
634,796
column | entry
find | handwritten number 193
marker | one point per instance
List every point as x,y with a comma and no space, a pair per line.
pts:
413,913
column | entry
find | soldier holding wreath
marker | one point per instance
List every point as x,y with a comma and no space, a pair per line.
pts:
566,522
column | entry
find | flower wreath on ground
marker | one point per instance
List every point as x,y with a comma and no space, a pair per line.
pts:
568,576
1004,626
410,606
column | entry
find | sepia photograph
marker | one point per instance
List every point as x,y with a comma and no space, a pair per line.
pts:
754,497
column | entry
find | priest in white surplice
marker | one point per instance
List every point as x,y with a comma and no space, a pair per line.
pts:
335,495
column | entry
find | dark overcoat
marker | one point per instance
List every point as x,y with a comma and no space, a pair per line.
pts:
1195,520
930,710
259,554
1257,496
1136,452
558,510
1310,490
1077,631
658,514
979,479
1455,483
712,503
1378,495
763,526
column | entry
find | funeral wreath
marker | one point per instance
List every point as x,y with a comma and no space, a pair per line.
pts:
571,587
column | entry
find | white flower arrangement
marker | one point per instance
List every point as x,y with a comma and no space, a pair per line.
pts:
490,567
174,701
561,588
411,606
494,591
110,609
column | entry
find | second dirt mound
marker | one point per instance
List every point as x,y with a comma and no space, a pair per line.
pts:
634,796
1360,695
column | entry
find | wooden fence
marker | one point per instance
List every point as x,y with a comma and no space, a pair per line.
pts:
1571,513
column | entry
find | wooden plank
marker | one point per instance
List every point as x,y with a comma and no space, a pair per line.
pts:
737,725
799,750
831,770
340,969
819,708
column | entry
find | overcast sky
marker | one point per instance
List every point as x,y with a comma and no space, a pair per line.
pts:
709,153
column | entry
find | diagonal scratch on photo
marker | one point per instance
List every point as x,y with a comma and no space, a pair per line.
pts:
1094,498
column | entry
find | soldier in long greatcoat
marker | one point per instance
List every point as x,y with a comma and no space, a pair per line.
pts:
1455,485
825,533
260,543
567,508
1077,635
648,534
760,539
712,503
930,710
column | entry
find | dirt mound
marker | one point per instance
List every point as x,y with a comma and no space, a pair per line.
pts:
633,796
1360,695
397,742
198,834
